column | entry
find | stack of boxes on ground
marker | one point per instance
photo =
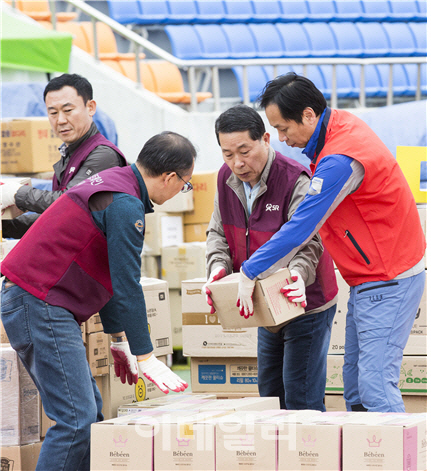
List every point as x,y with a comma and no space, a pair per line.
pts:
199,432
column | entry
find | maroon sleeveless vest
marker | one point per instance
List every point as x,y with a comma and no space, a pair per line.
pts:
63,258
269,214
78,158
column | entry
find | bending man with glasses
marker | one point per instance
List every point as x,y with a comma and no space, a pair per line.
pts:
85,257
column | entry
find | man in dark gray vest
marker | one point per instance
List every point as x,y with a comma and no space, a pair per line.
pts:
84,152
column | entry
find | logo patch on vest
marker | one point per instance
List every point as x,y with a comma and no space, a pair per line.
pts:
139,225
72,169
315,186
272,207
89,172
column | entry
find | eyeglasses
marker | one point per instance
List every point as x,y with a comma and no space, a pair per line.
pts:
187,185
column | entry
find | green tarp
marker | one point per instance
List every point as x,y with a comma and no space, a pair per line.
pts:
27,46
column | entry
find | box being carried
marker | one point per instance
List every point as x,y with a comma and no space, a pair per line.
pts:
271,307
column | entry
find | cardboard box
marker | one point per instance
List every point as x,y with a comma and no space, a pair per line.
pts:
183,262
204,190
98,349
45,421
20,417
203,334
3,335
223,375
20,458
195,232
151,266
12,212
175,301
94,324
115,393
162,230
417,342
156,295
6,246
395,442
241,404
270,306
28,146
179,203
413,375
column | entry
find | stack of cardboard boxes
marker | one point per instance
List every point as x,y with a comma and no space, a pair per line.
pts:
413,376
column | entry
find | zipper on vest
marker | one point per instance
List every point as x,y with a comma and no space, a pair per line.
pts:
247,243
357,246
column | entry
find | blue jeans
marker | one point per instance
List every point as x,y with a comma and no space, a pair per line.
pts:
291,363
379,318
48,340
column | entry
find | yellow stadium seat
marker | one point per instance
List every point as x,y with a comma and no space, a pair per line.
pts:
409,158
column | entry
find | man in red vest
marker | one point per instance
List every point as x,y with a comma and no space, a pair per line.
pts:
258,190
364,210
84,152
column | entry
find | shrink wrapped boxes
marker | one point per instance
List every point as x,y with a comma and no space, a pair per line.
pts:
223,375
162,230
175,301
203,334
28,146
183,262
20,417
270,306
98,353
94,324
179,203
12,212
20,458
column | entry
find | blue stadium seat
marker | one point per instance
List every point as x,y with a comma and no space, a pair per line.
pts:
404,10
422,10
412,74
345,86
313,72
124,11
295,39
213,42
240,40
210,11
376,10
184,41
419,31
153,12
401,40
181,11
257,79
267,39
322,40
348,39
373,84
348,10
238,11
400,80
294,10
266,11
321,10
374,39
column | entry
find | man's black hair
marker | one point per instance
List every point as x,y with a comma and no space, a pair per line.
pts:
167,152
80,84
240,118
292,93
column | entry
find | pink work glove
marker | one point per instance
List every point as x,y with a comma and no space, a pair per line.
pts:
125,364
245,295
216,274
162,376
295,292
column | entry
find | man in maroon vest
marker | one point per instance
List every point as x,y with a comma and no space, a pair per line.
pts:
82,256
258,191
84,152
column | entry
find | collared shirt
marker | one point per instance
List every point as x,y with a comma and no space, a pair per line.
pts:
250,194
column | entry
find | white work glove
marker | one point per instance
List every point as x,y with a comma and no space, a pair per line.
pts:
245,295
125,364
8,191
216,274
158,373
295,292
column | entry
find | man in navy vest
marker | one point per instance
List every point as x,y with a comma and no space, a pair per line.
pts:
258,190
82,256
84,152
